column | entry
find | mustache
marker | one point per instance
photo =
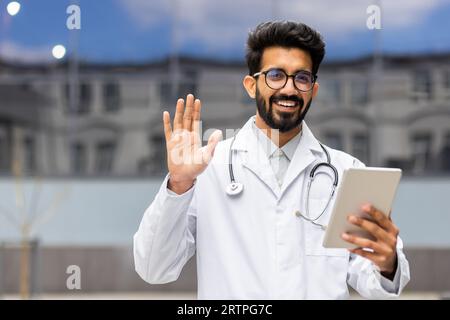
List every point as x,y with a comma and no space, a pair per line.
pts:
283,97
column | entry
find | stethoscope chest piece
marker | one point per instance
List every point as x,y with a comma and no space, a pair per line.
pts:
234,188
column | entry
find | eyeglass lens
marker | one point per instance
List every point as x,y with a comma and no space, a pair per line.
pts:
277,79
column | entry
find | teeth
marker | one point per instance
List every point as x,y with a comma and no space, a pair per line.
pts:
286,103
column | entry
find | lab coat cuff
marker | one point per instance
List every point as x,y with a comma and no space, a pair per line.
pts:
393,286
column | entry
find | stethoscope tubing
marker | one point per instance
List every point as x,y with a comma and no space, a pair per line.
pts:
235,187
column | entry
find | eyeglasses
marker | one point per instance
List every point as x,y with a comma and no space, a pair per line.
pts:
277,78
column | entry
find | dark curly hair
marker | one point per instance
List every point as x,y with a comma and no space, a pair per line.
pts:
285,34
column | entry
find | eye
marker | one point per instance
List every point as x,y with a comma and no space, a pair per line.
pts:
303,77
275,75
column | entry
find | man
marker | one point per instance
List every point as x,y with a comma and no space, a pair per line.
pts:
257,244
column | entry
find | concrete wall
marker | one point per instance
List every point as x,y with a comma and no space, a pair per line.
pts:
103,269
111,269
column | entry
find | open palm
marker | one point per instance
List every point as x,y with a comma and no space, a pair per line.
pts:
186,158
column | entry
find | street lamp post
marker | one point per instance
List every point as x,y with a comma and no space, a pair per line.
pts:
174,64
26,223
377,68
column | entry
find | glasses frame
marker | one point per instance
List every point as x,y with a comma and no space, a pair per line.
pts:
314,78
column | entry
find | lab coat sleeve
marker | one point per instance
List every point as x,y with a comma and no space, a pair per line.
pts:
165,240
365,277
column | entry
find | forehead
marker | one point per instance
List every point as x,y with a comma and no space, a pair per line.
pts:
289,59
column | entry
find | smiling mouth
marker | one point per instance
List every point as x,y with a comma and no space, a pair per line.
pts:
286,105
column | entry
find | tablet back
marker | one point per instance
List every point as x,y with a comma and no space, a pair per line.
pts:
377,186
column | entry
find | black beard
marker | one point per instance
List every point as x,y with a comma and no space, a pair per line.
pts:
287,121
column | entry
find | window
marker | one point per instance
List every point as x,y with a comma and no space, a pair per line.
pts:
4,154
25,86
334,140
78,158
111,96
29,154
158,154
105,157
446,84
359,92
165,91
446,77
330,92
421,152
85,98
184,88
186,85
360,146
445,153
82,97
245,98
423,86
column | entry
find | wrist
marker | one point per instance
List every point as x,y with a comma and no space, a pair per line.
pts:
179,186
390,274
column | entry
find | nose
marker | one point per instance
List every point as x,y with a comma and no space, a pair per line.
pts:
289,88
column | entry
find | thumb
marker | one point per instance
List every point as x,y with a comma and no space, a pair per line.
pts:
213,140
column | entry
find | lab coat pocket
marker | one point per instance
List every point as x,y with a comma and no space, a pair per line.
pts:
314,234
327,268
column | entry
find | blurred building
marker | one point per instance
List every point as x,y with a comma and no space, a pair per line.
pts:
107,119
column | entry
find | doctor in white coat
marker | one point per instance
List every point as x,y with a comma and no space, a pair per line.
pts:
257,244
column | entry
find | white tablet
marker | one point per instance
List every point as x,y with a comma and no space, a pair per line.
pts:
377,186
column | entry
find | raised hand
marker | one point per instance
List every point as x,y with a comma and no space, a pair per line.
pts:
186,158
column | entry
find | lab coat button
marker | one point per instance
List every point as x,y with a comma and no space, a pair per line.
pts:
298,213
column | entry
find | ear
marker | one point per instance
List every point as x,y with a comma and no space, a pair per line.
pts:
315,90
250,85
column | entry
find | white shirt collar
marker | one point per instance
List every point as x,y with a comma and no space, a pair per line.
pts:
242,138
270,147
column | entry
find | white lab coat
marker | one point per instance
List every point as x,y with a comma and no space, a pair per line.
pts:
254,246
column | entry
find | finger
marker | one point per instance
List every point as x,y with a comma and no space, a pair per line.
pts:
188,112
363,242
196,126
379,217
197,109
196,115
167,126
178,119
372,227
366,254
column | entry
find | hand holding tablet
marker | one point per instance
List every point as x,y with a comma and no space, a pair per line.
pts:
361,219
360,186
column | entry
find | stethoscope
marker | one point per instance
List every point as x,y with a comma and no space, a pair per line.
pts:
236,188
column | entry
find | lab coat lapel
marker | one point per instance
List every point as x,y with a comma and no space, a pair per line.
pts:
254,158
304,155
